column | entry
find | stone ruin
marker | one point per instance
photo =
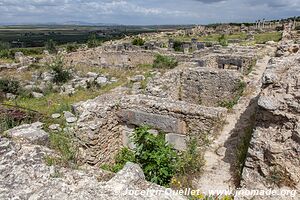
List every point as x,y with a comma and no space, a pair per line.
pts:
183,103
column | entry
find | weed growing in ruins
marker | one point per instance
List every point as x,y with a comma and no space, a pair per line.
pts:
189,165
160,162
60,74
240,87
122,157
157,158
280,177
164,62
223,40
138,41
178,46
93,41
9,86
51,46
63,144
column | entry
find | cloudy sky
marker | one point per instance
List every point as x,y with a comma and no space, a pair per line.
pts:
145,11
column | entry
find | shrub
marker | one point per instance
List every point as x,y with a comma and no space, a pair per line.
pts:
93,41
157,158
10,86
60,74
178,46
72,47
138,41
223,40
4,46
6,53
63,144
189,165
164,62
51,46
239,90
122,157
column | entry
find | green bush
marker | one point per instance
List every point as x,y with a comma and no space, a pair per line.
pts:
157,158
10,86
223,40
60,74
72,47
122,157
178,46
6,53
93,41
138,41
164,62
4,46
51,46
239,90
189,165
62,143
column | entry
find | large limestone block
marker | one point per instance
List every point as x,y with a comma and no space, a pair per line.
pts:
162,122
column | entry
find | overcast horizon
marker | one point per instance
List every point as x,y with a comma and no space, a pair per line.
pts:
151,12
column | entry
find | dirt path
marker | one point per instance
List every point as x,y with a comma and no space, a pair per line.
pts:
220,156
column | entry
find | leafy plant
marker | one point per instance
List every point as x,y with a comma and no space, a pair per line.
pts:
138,41
60,74
72,47
93,41
51,46
223,40
63,144
178,46
164,62
122,157
10,86
157,158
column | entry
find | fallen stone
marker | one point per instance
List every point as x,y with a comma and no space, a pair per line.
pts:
101,80
55,127
137,78
55,116
32,133
37,95
268,103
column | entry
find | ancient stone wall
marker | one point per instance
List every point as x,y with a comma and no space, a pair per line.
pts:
242,64
99,58
102,128
203,86
196,85
273,157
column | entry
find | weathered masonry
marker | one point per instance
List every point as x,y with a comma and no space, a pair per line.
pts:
105,126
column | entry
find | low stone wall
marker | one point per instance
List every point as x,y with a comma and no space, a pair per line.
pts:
100,58
242,64
103,125
273,156
178,120
196,85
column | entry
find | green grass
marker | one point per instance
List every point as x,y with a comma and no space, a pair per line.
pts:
52,103
265,37
260,38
